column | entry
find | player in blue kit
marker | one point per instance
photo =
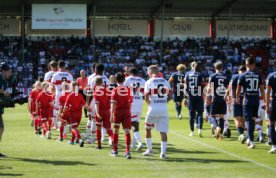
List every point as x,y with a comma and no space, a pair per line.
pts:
237,108
177,83
194,84
271,108
217,87
251,83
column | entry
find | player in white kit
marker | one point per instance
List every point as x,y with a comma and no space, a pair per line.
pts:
52,66
157,94
99,70
137,85
58,78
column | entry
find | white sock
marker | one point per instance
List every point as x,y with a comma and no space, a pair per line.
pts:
88,128
137,137
93,129
149,143
163,147
65,129
103,133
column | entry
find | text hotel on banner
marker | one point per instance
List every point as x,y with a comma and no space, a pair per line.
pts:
183,28
59,16
244,28
121,27
9,27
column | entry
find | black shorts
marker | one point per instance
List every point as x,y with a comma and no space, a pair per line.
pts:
250,111
218,107
237,108
178,98
1,121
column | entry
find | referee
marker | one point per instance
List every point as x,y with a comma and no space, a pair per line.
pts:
6,74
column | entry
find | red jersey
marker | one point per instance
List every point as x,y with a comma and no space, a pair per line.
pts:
33,95
102,96
122,96
44,99
62,99
82,82
75,102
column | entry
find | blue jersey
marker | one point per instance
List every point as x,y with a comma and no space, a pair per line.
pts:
194,82
234,84
219,82
271,82
178,81
251,82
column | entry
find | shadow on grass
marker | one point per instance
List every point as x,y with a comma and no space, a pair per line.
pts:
197,160
10,175
174,150
52,162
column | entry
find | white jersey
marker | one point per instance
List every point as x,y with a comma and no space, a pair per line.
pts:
92,84
90,78
137,85
48,76
158,90
60,77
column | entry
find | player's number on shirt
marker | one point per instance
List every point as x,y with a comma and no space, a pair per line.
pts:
220,82
253,84
63,79
161,91
135,88
193,82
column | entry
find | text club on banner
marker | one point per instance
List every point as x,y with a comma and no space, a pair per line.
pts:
9,27
244,28
120,27
182,28
59,16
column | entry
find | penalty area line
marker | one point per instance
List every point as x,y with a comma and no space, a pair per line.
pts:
223,151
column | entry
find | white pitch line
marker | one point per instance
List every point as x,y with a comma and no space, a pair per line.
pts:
223,151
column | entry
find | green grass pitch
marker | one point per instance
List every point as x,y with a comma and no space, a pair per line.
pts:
31,156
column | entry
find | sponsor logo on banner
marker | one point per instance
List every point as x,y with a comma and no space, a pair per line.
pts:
244,28
9,27
119,27
180,27
65,16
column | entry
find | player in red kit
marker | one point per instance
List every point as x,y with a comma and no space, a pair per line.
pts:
65,119
121,100
102,96
74,104
43,102
32,105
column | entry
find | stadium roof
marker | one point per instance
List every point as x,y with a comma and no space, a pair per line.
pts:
153,8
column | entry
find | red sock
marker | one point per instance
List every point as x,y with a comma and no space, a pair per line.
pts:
73,136
99,136
49,124
45,128
61,129
36,122
115,140
110,133
127,141
76,133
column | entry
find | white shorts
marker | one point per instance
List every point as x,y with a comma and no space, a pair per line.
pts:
161,123
93,112
135,117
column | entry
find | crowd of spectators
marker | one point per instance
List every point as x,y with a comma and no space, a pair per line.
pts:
117,52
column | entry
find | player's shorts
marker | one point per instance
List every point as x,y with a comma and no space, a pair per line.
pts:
238,111
66,117
161,123
1,121
196,104
75,118
122,116
218,107
272,116
105,119
92,114
44,113
250,111
135,117
178,98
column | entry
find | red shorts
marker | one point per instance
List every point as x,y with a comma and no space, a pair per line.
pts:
44,113
105,118
122,116
66,117
75,118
